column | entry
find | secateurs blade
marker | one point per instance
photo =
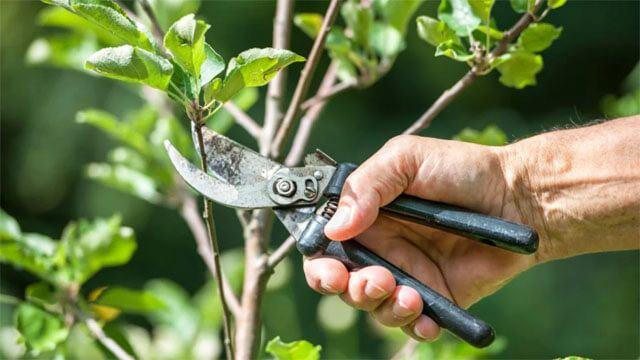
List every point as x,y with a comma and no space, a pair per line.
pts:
304,199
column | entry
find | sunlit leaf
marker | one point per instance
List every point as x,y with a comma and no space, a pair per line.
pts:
386,40
40,293
62,18
40,330
435,32
482,8
538,36
186,42
131,64
296,350
519,69
459,16
453,50
110,16
178,314
251,68
309,23
32,252
554,4
522,6
212,66
115,128
62,50
9,228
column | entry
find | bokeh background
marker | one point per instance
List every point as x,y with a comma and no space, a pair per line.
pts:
589,305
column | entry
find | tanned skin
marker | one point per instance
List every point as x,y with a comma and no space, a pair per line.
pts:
579,188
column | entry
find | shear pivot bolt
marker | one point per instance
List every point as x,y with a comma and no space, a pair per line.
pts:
318,175
284,187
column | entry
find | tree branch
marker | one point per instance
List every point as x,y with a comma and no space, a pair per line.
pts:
105,340
281,252
335,90
192,216
277,86
213,241
448,95
308,120
156,29
305,78
243,119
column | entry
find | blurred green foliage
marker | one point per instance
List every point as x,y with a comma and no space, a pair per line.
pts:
546,312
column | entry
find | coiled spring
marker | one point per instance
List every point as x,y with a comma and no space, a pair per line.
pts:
330,208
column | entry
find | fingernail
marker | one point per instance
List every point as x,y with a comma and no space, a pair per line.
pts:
400,309
339,219
327,288
374,291
418,332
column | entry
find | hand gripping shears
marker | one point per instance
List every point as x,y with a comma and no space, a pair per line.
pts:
240,178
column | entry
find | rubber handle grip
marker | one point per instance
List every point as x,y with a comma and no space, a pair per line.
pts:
487,229
442,310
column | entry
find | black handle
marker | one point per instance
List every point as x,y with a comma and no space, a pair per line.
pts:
444,312
487,229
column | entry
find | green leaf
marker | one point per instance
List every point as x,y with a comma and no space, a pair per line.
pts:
222,121
129,300
493,33
435,32
296,350
212,66
62,50
337,42
41,331
32,252
359,19
482,8
97,244
179,313
111,17
490,135
459,16
539,36
386,40
453,50
125,179
63,3
251,68
62,18
185,40
554,4
309,23
626,105
398,13
522,6
9,228
119,130
519,69
170,128
131,64
40,293
182,85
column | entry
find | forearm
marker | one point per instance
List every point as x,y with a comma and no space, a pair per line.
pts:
579,188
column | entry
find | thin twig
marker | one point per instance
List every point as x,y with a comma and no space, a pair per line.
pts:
335,90
277,86
308,120
213,242
191,215
448,95
305,79
155,24
243,119
105,340
281,252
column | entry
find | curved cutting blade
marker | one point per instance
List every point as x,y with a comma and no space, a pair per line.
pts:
239,192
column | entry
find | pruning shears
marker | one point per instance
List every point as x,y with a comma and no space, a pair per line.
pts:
305,198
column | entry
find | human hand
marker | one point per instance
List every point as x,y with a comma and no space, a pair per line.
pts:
463,270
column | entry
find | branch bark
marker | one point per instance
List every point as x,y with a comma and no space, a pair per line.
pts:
277,86
244,120
333,91
305,79
191,215
105,340
213,243
448,95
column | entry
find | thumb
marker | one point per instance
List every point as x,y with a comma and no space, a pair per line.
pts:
375,183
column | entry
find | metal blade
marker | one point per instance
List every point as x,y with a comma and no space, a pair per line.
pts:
240,194
234,163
